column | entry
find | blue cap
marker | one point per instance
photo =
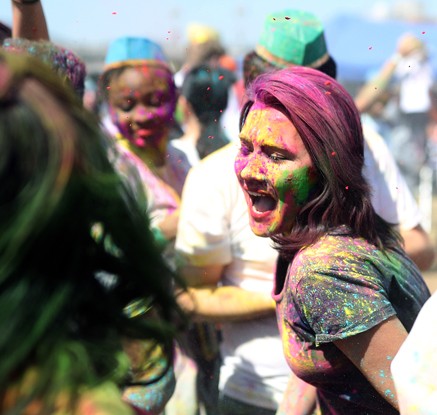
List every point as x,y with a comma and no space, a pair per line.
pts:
134,51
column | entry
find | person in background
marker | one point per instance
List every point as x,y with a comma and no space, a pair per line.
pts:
137,83
415,364
65,353
65,63
230,271
28,20
90,96
408,72
140,93
205,47
346,292
202,100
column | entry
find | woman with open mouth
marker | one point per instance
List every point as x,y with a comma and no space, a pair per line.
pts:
346,292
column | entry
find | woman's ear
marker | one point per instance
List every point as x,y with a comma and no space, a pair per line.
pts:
185,108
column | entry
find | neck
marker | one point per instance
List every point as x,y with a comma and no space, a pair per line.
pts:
192,130
153,157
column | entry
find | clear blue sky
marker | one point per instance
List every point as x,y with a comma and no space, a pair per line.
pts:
96,22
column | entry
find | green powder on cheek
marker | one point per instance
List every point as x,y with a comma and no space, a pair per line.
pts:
299,182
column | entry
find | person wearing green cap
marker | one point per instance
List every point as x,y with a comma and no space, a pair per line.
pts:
304,34
308,47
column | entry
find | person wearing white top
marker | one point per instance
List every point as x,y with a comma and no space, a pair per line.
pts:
414,367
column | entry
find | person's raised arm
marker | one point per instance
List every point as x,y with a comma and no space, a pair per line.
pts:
373,89
28,20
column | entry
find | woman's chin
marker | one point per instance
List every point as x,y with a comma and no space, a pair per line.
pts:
261,230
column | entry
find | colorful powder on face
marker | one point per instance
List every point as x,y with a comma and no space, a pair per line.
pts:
298,185
302,184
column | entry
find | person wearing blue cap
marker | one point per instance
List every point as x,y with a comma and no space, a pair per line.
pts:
138,86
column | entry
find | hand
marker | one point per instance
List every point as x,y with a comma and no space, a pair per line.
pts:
408,44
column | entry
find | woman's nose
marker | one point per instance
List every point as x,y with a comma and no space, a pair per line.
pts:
253,169
142,114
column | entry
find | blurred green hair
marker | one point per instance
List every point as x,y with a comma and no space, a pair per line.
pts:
62,294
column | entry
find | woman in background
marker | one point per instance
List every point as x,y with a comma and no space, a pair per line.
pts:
140,95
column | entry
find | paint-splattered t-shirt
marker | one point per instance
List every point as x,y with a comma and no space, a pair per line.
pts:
334,289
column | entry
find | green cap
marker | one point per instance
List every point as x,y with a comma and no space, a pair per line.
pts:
293,37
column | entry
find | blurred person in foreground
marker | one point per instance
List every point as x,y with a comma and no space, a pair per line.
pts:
231,271
64,354
63,62
146,386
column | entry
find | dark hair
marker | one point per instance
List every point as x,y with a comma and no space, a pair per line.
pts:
254,65
206,89
63,294
5,32
328,123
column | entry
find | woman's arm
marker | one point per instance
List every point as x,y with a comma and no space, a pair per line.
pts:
28,20
299,398
225,304
419,247
372,353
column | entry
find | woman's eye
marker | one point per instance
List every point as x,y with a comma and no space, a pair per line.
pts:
244,150
159,99
276,157
155,101
126,105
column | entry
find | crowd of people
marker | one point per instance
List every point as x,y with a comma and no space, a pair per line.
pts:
206,242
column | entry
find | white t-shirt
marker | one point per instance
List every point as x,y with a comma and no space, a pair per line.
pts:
188,148
415,78
414,367
391,197
214,230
